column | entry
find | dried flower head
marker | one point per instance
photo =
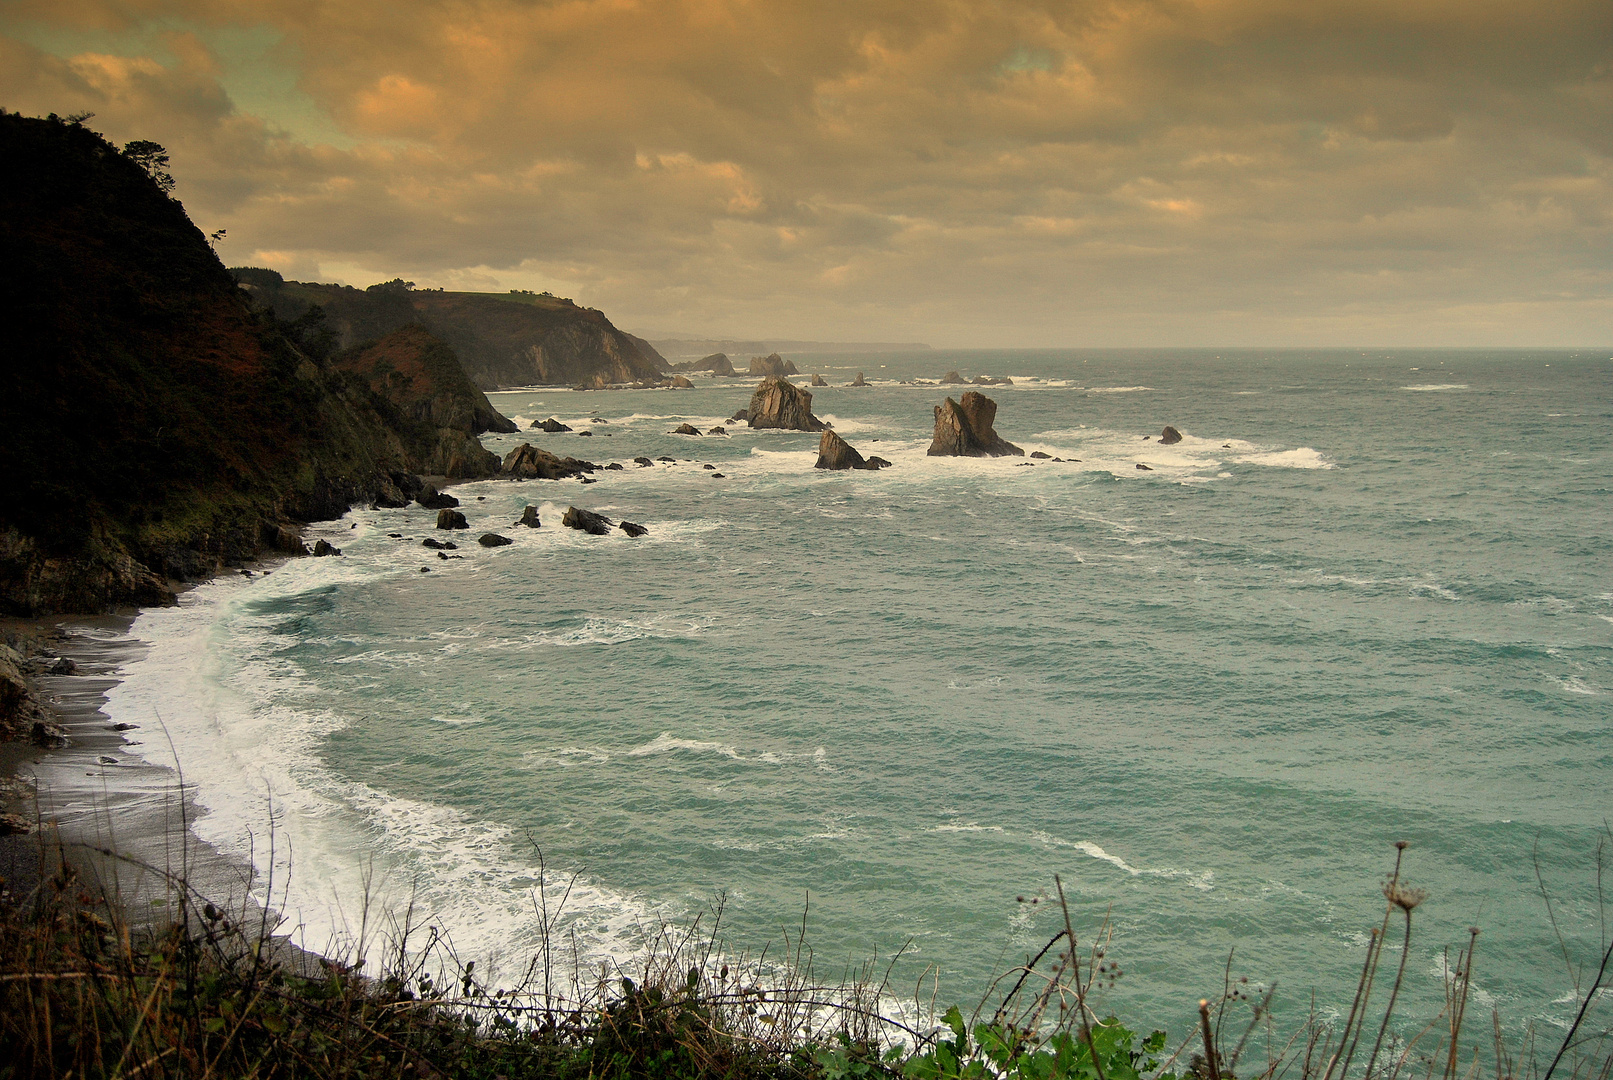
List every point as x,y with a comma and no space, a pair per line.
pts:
1404,898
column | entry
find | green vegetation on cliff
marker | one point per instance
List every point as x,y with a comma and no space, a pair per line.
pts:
157,427
502,339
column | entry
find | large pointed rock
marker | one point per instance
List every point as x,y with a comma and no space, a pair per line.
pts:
528,462
779,403
964,429
836,453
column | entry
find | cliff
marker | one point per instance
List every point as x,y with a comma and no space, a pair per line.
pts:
422,379
157,428
502,339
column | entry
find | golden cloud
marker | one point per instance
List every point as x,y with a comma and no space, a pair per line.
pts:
1077,171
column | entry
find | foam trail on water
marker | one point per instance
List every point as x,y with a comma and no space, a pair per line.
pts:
217,680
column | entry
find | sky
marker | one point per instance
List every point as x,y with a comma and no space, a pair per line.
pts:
1012,173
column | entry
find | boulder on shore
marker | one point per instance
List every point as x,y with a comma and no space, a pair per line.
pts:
952,377
836,453
858,381
685,429
551,425
633,529
772,364
779,403
818,380
451,519
432,499
964,429
529,518
1170,436
527,462
493,540
586,520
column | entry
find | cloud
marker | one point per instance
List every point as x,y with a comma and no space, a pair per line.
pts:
1018,172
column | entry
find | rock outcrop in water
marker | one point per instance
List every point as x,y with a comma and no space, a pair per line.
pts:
529,518
779,403
836,453
952,377
772,364
528,462
964,429
432,499
551,425
451,519
858,381
818,380
586,520
716,363
1170,436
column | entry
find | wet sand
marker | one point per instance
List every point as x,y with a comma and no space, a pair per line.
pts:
122,821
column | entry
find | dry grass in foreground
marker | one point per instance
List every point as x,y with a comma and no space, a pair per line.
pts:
212,995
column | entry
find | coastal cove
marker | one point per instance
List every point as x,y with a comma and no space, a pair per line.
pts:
1364,599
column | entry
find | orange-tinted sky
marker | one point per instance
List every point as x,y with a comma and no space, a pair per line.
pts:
962,172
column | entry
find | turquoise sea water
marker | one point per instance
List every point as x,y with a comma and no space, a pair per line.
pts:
1368,598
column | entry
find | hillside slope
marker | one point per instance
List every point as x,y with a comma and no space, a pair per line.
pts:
502,339
157,428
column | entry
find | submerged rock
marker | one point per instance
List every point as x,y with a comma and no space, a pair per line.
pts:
586,520
1170,436
876,462
719,430
1143,467
451,519
1042,456
633,529
741,415
643,462
779,403
529,518
964,429
439,545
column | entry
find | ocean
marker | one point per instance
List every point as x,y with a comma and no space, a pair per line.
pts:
1368,598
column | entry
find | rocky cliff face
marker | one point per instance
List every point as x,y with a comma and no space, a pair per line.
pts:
156,427
421,377
964,429
515,339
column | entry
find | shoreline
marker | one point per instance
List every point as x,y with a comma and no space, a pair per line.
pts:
122,820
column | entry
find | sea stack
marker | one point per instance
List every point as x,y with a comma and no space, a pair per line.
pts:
772,364
836,453
964,429
779,403
1170,436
